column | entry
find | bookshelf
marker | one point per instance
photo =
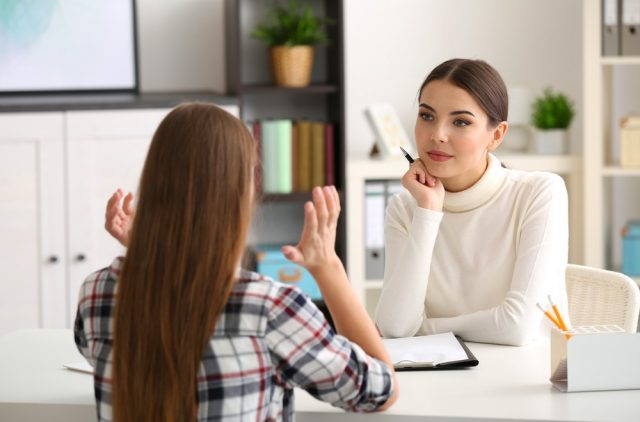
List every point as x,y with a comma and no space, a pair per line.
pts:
361,170
280,217
610,189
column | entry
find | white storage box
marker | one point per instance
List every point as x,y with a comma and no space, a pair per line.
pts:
599,357
630,141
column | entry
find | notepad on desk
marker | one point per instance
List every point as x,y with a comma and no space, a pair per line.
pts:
436,351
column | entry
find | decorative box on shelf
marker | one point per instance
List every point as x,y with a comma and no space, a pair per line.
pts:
630,141
270,261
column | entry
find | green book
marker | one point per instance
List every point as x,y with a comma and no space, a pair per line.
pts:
283,152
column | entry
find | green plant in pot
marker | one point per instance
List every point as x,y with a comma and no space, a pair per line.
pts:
291,32
552,113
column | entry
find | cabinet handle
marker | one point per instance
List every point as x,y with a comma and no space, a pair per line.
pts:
53,259
81,257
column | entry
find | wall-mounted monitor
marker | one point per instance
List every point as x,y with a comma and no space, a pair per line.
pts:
49,46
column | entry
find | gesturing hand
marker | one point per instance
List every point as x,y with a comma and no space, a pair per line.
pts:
427,190
316,247
119,216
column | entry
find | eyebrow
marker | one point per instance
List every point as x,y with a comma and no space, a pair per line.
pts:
453,113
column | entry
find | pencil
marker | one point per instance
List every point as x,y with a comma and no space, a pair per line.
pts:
407,156
558,315
548,315
555,322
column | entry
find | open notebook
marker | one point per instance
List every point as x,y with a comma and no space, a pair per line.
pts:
436,351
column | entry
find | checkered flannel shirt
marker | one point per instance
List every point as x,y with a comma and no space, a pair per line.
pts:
269,339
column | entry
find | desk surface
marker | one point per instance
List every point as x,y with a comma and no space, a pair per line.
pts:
510,384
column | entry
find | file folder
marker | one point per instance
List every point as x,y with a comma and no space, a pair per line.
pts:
374,233
630,37
610,27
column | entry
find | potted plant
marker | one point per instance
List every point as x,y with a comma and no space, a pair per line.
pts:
551,116
291,33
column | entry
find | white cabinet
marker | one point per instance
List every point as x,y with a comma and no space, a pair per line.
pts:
105,151
57,171
32,223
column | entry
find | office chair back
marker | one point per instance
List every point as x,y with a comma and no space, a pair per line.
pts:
599,297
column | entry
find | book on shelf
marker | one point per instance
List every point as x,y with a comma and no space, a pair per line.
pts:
304,155
269,156
329,155
317,154
294,156
294,159
257,175
283,153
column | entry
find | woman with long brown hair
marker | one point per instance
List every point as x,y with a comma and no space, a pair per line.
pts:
471,246
176,331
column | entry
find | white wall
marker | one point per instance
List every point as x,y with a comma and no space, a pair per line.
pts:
181,45
391,45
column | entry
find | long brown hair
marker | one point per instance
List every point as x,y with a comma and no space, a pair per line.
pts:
192,218
480,80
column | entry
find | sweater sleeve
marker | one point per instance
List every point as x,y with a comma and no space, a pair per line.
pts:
539,270
409,242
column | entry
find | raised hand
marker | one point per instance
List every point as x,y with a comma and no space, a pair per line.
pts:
427,190
119,216
316,247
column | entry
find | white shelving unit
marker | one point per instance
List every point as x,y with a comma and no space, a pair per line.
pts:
600,171
359,171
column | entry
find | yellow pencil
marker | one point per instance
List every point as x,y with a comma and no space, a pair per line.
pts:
551,318
558,315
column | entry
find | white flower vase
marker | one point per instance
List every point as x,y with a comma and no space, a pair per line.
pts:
549,142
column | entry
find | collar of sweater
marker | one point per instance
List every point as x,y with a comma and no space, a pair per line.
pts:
481,192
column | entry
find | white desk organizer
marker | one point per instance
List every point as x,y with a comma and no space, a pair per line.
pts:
597,357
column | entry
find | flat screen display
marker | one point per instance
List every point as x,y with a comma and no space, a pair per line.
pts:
67,45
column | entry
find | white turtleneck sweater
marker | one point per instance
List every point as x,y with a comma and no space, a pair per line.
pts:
479,267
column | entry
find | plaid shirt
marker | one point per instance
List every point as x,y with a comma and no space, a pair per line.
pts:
269,339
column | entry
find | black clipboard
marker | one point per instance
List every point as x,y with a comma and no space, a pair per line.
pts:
456,364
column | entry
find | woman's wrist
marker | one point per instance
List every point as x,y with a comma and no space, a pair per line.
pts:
329,269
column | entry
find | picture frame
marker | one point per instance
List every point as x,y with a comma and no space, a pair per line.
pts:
388,131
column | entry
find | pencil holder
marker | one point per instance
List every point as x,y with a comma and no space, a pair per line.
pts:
593,358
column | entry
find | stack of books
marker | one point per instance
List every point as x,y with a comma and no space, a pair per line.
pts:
295,155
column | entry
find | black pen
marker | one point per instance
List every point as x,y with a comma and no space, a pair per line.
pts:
407,156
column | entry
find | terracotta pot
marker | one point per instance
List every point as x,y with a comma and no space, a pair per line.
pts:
291,66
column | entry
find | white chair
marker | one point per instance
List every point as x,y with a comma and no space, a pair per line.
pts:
598,297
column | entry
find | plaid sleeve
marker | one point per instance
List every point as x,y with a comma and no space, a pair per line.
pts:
94,316
311,356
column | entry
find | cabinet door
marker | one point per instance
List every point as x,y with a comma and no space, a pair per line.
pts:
32,251
105,151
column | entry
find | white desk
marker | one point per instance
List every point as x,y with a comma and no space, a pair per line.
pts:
510,384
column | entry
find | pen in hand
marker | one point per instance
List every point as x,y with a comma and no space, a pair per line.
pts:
429,180
407,156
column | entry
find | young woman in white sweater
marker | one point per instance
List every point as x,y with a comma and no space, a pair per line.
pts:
471,246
